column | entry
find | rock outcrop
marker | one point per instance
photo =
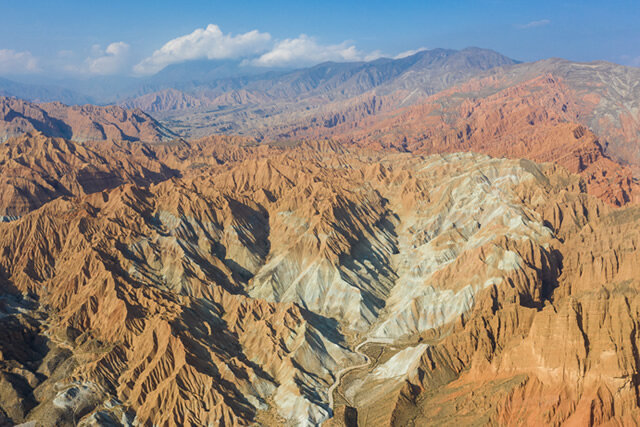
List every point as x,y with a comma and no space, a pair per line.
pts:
35,169
460,287
538,119
85,123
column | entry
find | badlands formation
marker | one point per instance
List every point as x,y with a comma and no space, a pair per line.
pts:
80,123
458,287
448,239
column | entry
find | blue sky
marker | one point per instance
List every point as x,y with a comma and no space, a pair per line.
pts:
127,37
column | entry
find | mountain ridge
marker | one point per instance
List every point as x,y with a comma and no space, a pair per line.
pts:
219,295
81,123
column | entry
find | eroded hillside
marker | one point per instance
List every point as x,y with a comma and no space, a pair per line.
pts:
457,287
86,123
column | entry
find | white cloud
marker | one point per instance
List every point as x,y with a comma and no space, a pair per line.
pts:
304,50
410,52
210,43
114,59
12,62
376,54
534,24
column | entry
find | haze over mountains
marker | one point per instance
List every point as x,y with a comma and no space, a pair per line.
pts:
446,238
236,74
198,98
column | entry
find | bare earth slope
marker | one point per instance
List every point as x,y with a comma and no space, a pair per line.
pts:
80,123
35,169
538,119
461,287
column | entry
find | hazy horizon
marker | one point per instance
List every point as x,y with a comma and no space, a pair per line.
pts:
41,40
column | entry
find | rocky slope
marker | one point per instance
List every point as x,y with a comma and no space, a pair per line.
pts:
538,119
459,287
565,357
254,105
35,169
80,123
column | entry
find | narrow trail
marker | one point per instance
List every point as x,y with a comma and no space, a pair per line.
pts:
348,369
55,340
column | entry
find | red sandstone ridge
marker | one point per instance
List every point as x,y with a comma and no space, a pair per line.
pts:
537,120
457,286
490,289
81,123
35,169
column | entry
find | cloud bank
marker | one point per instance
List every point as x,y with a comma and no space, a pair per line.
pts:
210,43
12,62
114,60
305,50
253,48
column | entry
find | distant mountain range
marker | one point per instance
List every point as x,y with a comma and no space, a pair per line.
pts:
41,93
261,104
199,98
431,71
447,238
207,78
332,99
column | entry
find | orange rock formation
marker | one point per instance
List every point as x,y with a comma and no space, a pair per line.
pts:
81,123
464,287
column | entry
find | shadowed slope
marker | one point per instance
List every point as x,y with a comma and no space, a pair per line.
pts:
81,123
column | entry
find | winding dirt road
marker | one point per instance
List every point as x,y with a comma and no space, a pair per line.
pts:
367,361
